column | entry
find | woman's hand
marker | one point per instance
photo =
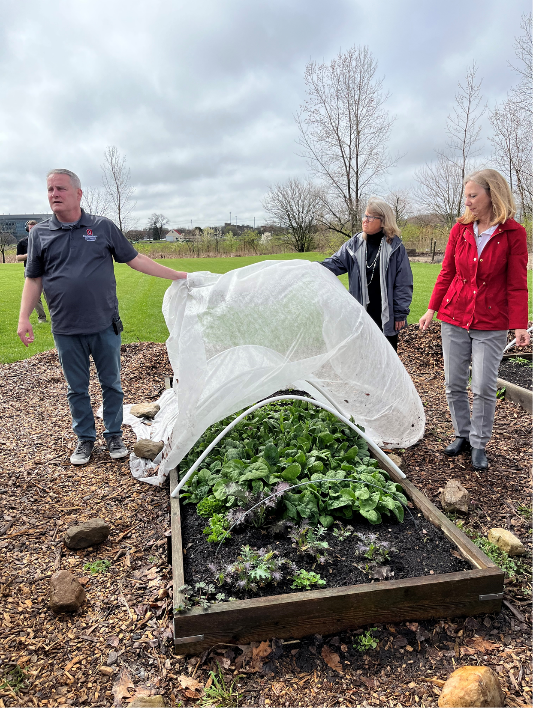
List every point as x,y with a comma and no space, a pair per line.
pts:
522,337
425,320
398,325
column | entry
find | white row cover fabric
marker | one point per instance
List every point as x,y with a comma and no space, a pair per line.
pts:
240,337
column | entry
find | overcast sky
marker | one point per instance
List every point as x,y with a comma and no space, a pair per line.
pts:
200,96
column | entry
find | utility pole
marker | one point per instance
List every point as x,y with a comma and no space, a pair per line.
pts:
230,221
254,223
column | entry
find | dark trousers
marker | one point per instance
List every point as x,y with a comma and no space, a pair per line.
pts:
74,352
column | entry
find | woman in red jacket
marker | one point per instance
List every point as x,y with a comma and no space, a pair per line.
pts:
481,292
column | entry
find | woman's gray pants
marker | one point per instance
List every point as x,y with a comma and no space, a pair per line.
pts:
484,349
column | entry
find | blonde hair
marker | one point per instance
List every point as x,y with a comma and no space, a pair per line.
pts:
496,186
376,206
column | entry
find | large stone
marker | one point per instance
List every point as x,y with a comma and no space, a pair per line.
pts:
507,541
148,449
455,498
472,686
144,410
148,702
88,533
67,594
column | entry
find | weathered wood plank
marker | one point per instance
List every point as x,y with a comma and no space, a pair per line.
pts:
336,609
517,394
178,576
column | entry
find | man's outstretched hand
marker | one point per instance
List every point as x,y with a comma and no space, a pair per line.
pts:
25,332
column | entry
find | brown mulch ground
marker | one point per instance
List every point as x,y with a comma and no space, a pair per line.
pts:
119,642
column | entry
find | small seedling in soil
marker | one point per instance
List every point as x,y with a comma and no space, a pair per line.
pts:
523,362
304,580
97,566
15,679
219,692
253,569
500,393
202,595
341,532
307,540
217,529
153,560
366,640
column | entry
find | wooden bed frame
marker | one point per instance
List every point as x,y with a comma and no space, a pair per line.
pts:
332,610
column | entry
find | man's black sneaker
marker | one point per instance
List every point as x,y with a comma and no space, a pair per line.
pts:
82,453
116,447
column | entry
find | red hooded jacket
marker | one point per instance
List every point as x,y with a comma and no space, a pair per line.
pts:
488,291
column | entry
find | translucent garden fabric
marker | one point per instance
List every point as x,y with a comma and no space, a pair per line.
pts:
237,338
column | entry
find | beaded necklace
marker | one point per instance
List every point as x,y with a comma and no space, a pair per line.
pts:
372,266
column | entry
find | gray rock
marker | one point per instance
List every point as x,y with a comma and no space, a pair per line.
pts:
144,410
112,658
148,702
67,594
148,449
455,498
88,533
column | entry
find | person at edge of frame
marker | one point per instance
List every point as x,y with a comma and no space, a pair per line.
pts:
379,272
71,256
22,255
480,293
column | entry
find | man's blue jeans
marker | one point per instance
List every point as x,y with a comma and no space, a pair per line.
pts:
74,351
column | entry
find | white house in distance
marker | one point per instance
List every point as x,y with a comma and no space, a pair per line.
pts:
173,235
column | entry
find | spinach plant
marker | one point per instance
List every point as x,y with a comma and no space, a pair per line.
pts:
280,446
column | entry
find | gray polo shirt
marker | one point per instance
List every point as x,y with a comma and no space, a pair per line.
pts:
76,266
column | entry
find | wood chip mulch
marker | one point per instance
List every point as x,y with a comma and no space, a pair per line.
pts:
119,644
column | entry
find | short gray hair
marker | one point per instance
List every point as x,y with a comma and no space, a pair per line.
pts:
75,180
377,206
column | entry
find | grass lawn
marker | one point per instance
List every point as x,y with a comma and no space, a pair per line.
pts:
140,297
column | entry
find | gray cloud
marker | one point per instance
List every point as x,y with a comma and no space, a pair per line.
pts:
201,96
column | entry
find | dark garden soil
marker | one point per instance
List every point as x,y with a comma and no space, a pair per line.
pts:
519,374
119,644
415,547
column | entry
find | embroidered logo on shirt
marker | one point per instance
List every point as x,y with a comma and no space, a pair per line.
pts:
89,236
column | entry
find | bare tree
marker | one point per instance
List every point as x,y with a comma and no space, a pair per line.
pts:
344,129
95,201
118,187
295,206
6,239
156,226
441,182
511,142
524,53
400,202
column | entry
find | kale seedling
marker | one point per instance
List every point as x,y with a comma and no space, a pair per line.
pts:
217,529
341,532
253,569
202,595
307,540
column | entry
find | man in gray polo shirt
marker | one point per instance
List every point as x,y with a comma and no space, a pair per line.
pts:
71,256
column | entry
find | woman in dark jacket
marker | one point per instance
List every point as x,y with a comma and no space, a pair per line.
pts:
481,292
386,288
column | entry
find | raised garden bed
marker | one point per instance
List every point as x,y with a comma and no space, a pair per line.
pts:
516,379
421,587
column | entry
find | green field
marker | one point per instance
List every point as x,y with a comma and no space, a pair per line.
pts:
141,296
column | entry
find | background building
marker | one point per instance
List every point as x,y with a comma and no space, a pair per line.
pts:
16,223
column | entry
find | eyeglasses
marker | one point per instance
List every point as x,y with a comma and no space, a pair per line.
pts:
366,217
